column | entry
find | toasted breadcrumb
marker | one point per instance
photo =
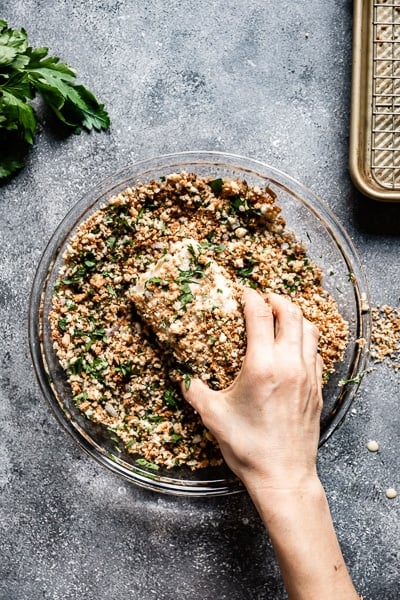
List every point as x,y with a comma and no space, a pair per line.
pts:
150,292
385,335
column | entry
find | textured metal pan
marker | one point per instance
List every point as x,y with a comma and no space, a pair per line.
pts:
375,103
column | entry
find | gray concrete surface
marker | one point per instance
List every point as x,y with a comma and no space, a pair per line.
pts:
270,80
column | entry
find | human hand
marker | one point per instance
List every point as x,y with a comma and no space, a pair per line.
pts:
267,426
267,421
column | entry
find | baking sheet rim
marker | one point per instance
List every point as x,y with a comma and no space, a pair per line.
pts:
361,102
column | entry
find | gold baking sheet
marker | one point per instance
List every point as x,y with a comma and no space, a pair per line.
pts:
375,103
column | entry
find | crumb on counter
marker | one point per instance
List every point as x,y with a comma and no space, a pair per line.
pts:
391,493
385,335
373,446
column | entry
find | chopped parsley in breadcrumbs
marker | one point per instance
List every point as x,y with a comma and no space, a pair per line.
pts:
194,309
150,294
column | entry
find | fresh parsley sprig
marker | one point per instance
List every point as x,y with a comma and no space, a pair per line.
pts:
25,72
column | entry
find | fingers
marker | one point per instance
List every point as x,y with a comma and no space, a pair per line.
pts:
259,323
319,371
289,323
278,321
206,402
310,343
198,395
297,335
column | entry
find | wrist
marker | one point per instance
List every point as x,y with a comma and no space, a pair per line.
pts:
300,527
275,499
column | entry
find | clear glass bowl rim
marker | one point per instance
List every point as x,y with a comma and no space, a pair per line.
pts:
141,170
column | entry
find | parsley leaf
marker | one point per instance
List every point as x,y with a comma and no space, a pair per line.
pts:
142,462
24,72
187,379
216,185
170,398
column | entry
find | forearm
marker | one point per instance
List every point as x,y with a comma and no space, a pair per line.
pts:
301,530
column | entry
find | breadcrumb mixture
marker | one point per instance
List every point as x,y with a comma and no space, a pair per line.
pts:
150,294
385,334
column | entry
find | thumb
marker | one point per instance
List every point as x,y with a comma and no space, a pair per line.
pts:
198,395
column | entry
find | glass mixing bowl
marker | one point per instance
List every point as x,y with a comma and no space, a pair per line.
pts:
314,224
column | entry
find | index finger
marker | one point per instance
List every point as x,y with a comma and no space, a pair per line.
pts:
310,342
289,323
259,322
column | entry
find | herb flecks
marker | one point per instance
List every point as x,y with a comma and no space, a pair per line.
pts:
171,398
142,462
191,276
187,380
216,185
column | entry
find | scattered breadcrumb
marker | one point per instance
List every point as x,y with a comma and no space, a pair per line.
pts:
385,335
373,446
150,293
391,493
